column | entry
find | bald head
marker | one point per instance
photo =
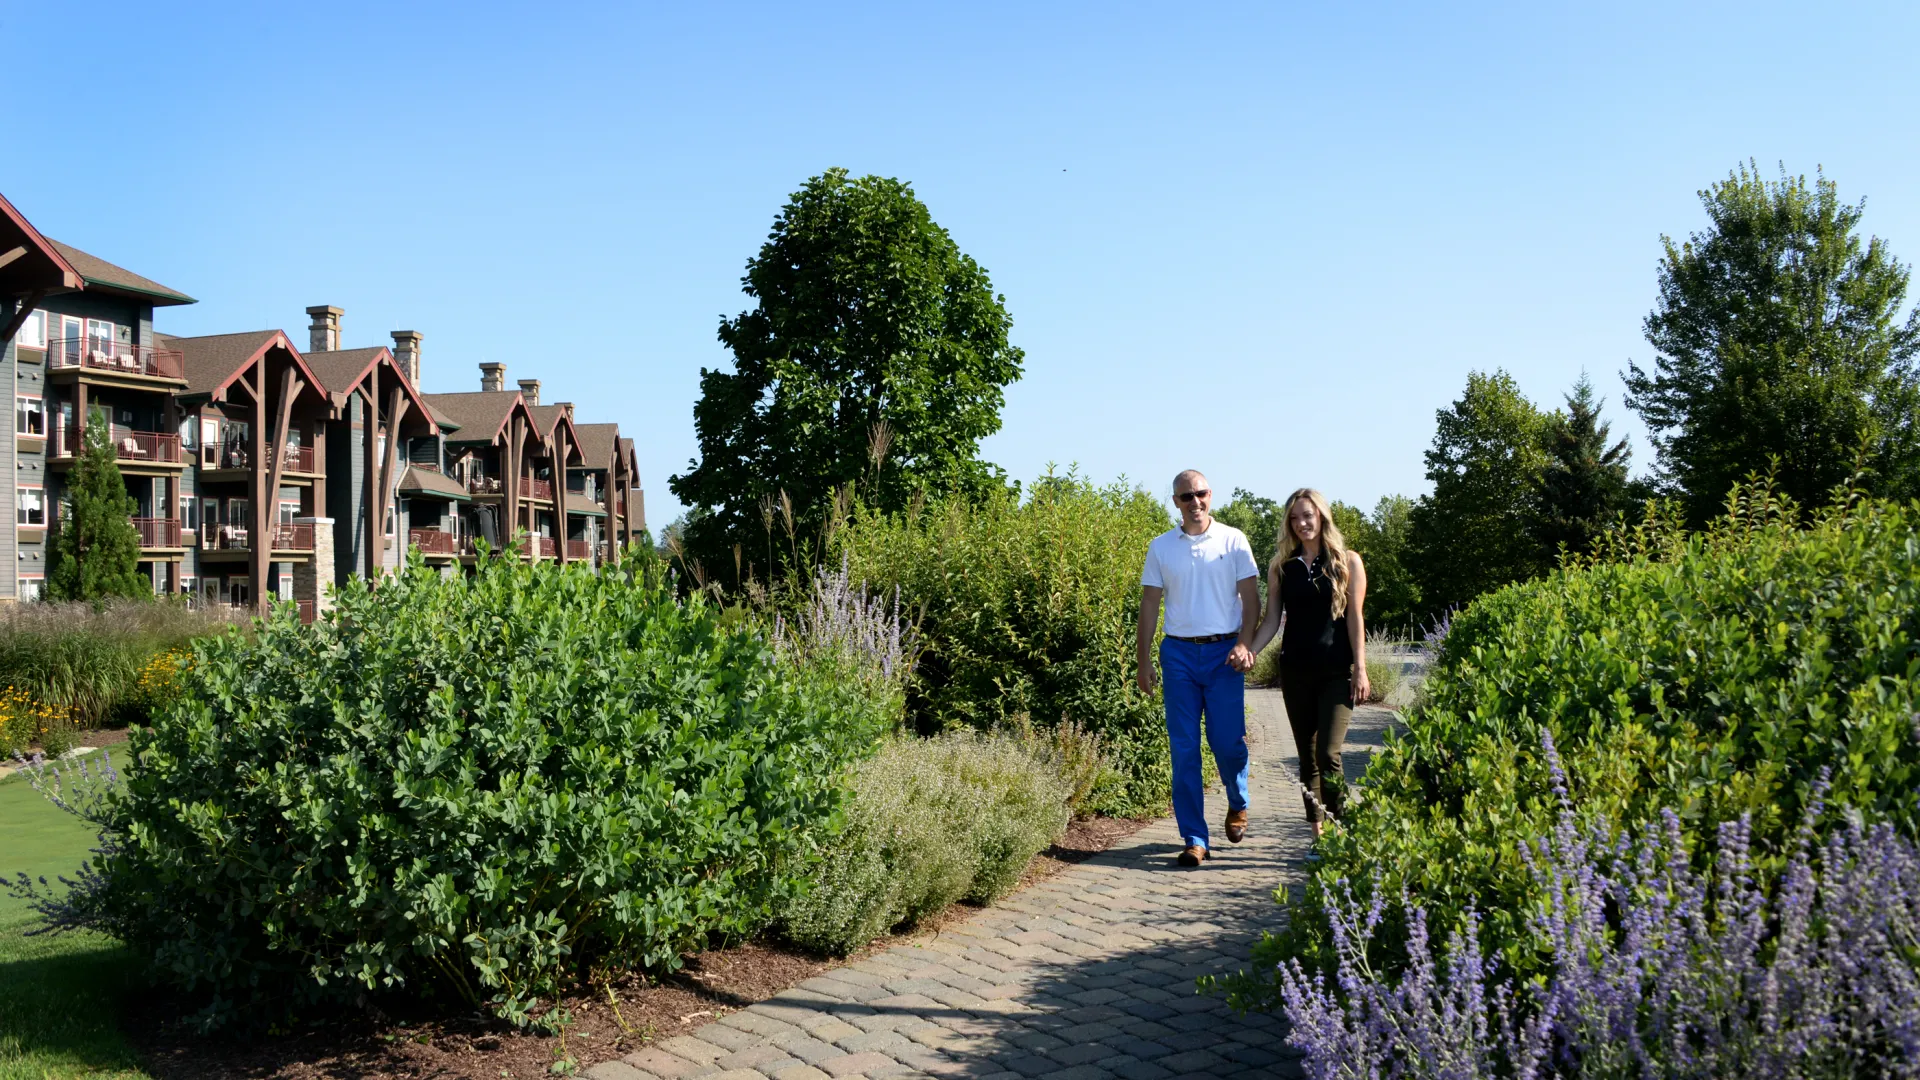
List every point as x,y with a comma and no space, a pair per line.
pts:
1187,480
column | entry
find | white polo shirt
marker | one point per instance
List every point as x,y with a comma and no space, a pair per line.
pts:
1200,578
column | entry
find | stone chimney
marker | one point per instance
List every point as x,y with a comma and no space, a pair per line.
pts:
566,407
324,334
493,378
406,353
530,389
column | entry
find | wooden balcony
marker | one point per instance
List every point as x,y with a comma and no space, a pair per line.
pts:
157,532
133,447
542,546
299,459
111,357
536,489
432,541
286,537
579,549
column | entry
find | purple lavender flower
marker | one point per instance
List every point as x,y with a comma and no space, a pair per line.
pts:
1657,969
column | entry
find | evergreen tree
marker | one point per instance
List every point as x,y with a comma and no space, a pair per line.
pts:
1584,484
96,552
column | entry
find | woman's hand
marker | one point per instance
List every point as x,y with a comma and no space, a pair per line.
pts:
1362,689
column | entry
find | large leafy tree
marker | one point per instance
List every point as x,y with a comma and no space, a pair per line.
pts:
96,552
1583,486
876,355
1471,534
1777,335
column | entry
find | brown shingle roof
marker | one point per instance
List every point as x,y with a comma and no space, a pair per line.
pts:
597,442
478,414
418,481
339,371
212,360
545,417
99,273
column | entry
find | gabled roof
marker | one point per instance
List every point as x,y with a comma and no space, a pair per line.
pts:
597,442
548,419
481,415
40,266
632,460
341,371
216,360
101,274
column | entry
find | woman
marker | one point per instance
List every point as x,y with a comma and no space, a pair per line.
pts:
1321,586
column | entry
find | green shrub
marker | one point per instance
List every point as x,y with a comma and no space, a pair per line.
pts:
1716,674
1027,607
930,822
471,788
90,659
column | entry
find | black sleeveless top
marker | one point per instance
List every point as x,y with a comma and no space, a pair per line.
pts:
1312,636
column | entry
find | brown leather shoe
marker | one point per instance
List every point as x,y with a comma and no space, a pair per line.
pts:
1236,825
1194,855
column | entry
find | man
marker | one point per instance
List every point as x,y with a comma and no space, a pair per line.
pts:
1206,572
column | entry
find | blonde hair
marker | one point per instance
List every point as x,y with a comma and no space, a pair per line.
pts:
1333,546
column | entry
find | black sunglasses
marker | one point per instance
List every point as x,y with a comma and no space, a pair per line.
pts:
1192,496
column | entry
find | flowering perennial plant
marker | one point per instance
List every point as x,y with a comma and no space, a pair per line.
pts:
1657,970
841,623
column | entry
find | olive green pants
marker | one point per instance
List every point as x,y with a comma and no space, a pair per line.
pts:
1319,704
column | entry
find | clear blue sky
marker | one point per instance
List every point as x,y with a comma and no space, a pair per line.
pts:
1266,240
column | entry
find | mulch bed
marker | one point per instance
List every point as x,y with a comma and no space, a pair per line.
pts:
376,1046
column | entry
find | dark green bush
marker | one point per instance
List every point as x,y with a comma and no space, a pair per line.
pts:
1028,607
472,788
1716,674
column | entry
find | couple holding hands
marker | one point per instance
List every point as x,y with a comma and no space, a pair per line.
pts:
1205,573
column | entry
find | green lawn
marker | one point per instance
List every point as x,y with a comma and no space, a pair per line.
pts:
59,996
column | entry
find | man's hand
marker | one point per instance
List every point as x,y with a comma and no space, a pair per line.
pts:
1240,659
1145,678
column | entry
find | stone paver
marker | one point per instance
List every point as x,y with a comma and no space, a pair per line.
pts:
1089,974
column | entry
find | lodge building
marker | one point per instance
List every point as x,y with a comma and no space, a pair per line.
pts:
262,472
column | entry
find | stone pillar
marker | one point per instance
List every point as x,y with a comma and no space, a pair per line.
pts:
323,333
312,580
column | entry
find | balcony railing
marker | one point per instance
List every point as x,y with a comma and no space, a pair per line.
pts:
298,458
535,489
483,485
286,537
293,537
579,549
306,611
132,446
542,546
117,357
431,541
157,532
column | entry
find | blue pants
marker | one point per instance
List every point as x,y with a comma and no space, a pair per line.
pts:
1195,679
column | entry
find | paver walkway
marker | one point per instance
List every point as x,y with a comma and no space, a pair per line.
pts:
1088,974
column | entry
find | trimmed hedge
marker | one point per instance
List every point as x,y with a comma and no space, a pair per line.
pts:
478,788
1716,675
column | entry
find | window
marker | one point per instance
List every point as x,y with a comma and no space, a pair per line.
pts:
32,503
189,587
238,591
209,518
70,338
286,581
100,337
162,578
189,513
30,588
289,505
189,431
237,513
33,333
29,416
